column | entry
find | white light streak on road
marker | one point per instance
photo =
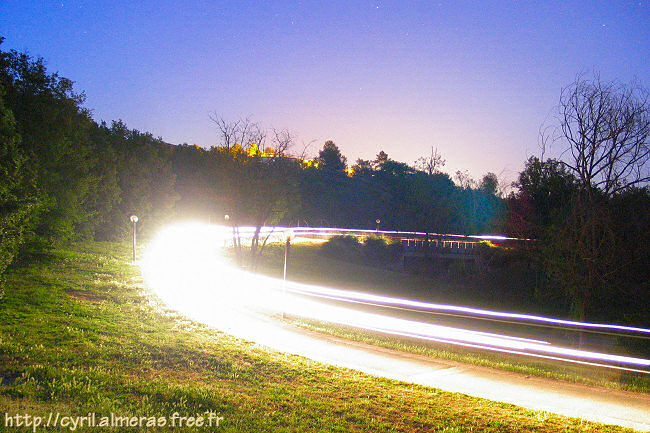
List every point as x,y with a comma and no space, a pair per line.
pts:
185,267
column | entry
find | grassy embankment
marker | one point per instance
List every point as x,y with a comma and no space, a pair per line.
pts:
309,266
80,333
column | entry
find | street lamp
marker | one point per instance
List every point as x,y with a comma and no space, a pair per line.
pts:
287,246
134,220
377,221
226,218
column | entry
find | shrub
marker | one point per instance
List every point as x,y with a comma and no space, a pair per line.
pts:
342,247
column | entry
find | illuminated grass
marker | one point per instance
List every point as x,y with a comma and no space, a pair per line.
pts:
80,333
308,266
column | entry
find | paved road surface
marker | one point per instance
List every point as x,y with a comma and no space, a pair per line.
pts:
591,403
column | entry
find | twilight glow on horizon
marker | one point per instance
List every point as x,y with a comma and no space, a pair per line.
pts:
474,79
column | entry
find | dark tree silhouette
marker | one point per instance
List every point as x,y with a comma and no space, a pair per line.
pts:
330,158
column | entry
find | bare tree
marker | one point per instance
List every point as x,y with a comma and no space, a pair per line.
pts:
505,184
604,128
305,150
430,164
227,130
243,132
464,180
256,189
281,141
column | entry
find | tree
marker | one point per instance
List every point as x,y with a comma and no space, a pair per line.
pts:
464,179
544,191
255,187
382,157
195,184
145,179
430,164
330,158
603,129
54,132
489,184
243,132
18,202
362,168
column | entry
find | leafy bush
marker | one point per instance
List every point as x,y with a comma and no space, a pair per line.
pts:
377,250
18,205
342,247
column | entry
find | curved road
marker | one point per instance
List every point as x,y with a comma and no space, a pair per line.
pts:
185,257
602,405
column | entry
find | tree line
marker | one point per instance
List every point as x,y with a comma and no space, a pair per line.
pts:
65,176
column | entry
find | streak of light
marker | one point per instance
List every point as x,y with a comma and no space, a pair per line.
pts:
356,318
461,315
185,266
351,295
513,352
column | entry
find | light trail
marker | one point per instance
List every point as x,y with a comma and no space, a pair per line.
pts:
186,268
427,306
330,231
444,307
513,352
387,324
464,316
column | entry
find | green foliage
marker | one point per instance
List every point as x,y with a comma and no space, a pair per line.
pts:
374,250
377,250
590,246
62,175
196,184
401,197
490,184
18,204
343,247
54,132
330,158
144,178
253,190
545,190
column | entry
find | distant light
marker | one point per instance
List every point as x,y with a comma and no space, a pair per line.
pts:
134,218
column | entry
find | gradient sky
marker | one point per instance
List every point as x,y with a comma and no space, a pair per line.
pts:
475,79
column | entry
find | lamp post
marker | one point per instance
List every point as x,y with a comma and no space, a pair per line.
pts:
377,221
134,220
226,218
287,246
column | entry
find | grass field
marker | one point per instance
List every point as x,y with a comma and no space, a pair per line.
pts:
80,333
309,266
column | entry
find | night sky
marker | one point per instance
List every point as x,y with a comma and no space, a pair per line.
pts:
477,80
